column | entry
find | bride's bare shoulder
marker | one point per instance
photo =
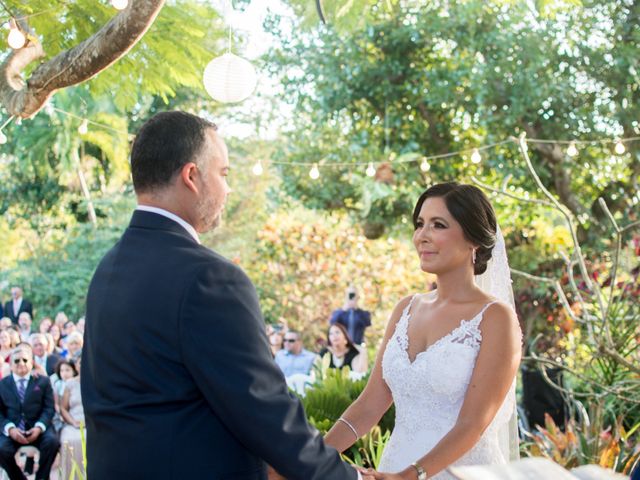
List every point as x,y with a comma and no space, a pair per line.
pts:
412,299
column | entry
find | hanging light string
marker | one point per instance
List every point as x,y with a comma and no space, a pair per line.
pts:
18,37
467,151
29,15
85,121
423,161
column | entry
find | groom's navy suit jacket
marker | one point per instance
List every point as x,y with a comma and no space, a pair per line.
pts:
177,375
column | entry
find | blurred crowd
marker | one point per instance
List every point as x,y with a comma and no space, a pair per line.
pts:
343,346
40,364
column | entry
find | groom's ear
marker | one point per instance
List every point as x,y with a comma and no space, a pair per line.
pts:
188,174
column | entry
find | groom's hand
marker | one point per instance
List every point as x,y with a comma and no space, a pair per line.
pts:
273,475
371,474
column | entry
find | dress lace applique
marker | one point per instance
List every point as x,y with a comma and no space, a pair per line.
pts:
428,394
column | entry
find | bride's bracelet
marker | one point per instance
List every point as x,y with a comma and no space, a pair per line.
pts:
348,424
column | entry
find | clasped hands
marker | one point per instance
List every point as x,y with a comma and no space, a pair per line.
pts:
367,474
371,474
25,437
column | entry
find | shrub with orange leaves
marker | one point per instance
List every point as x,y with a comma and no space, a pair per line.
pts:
594,439
304,262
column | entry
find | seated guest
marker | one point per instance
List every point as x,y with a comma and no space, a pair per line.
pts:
7,344
80,325
275,341
73,415
74,343
341,351
5,322
26,410
54,331
45,325
60,319
294,359
69,328
65,370
24,322
40,346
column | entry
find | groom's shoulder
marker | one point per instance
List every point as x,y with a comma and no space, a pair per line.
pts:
208,261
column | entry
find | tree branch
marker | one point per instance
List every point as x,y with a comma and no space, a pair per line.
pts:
73,66
554,155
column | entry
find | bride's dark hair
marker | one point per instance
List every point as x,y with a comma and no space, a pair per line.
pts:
472,210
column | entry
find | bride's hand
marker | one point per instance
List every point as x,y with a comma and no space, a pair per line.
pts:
386,476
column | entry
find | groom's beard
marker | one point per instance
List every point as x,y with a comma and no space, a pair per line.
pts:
209,214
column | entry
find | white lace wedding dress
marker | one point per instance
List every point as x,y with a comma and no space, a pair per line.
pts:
428,394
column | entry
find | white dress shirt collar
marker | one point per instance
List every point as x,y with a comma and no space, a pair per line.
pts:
16,378
172,216
17,303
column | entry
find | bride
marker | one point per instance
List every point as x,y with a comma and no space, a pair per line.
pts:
448,358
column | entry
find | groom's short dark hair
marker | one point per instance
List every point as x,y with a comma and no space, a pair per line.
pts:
164,144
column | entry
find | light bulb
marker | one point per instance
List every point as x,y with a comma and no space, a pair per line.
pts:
475,156
371,170
119,4
572,150
619,148
314,173
84,127
424,166
3,138
16,38
257,168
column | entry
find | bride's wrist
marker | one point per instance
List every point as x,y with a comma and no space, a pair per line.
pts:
409,473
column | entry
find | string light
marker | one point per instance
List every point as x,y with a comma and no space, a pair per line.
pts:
619,148
371,170
257,168
3,137
16,38
119,4
572,150
424,166
84,127
314,173
475,156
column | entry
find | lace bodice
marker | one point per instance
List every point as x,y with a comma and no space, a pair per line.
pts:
428,394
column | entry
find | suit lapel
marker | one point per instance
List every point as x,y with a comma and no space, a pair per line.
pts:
13,387
29,388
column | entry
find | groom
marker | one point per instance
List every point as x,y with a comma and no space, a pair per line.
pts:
177,375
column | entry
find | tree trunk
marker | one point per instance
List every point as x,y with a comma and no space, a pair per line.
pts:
76,65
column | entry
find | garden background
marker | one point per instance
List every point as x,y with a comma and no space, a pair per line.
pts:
538,102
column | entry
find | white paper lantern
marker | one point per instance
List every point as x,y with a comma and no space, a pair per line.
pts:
16,38
119,4
229,78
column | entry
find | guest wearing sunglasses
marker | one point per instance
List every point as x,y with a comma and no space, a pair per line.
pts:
26,411
294,359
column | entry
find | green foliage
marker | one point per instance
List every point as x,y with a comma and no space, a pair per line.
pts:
329,397
44,154
56,276
171,54
307,260
428,79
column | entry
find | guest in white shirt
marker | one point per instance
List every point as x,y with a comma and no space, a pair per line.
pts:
24,321
46,361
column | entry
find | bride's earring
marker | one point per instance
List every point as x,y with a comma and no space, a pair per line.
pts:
473,256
